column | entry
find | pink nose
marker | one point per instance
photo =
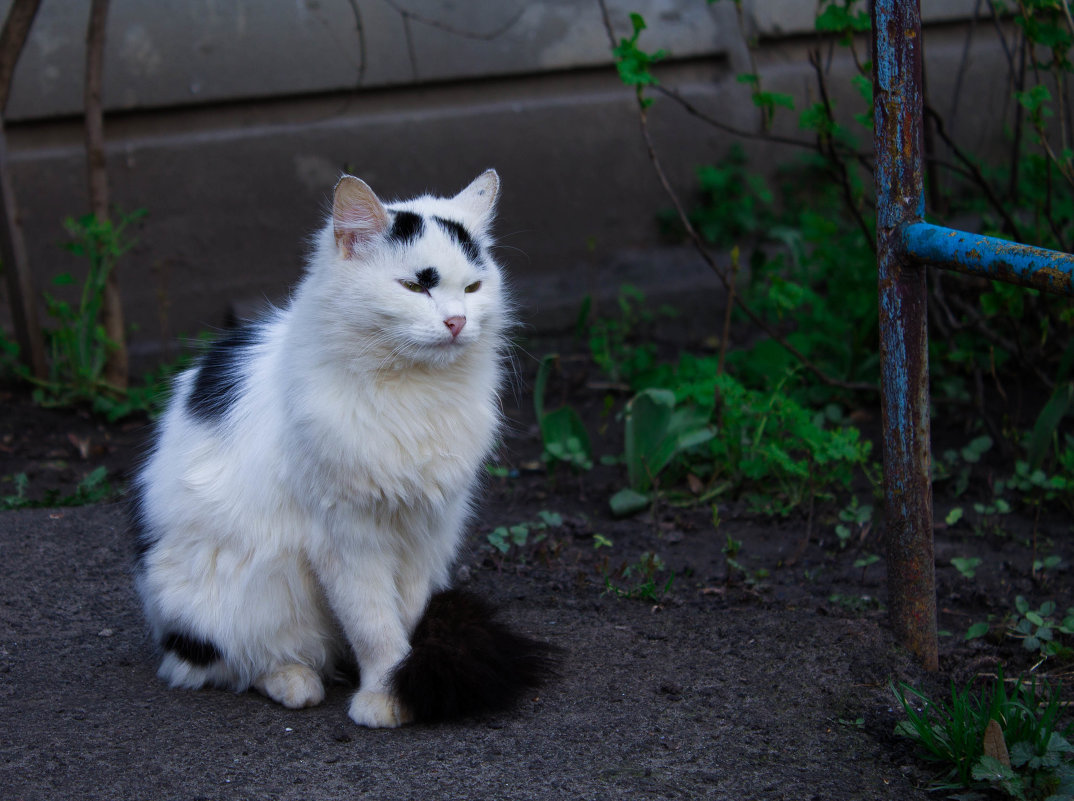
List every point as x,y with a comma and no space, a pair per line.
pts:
455,324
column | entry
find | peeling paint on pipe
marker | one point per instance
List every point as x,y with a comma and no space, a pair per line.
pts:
988,257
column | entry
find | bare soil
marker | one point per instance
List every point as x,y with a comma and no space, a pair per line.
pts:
708,683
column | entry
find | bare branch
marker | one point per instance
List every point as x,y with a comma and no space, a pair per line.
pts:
431,22
975,173
827,147
12,40
117,368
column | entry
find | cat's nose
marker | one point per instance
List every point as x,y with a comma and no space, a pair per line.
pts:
455,324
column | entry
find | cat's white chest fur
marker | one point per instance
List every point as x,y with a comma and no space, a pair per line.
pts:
403,437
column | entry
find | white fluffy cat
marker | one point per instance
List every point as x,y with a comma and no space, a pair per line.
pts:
312,475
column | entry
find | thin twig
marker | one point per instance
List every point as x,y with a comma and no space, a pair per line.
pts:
956,94
116,368
725,335
974,171
12,39
830,152
407,14
360,27
765,136
986,332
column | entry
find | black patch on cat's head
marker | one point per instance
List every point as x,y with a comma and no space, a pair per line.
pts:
428,277
462,238
196,651
406,227
218,382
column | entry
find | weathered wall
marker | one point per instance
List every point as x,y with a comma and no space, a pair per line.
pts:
230,121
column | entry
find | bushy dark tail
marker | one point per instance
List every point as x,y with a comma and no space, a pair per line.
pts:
464,662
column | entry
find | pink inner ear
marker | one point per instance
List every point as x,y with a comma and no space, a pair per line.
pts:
357,215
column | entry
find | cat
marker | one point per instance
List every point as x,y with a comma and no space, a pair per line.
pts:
310,480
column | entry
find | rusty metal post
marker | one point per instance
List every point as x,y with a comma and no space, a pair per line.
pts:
897,55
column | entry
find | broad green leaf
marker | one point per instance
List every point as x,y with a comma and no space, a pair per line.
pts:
627,502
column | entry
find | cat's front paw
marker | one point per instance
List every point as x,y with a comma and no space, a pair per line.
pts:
294,686
378,710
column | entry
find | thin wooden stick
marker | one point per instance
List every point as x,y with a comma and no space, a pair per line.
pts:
22,294
116,368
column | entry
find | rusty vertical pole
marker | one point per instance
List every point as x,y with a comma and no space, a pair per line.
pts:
897,53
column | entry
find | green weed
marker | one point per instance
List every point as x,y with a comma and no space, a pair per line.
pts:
78,345
1008,741
93,488
529,532
640,580
563,434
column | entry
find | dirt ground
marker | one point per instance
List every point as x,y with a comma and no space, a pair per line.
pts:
769,684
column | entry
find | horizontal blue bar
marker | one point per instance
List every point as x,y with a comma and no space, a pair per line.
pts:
989,257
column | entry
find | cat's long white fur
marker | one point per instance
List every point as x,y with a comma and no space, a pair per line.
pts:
333,492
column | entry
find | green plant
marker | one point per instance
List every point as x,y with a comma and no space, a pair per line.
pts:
958,464
856,604
529,532
94,487
657,430
774,451
732,550
617,342
634,64
1039,630
563,434
999,740
1038,489
966,565
1048,563
78,345
18,499
857,520
810,282
640,580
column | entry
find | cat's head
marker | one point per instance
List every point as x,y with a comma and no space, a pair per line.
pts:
415,280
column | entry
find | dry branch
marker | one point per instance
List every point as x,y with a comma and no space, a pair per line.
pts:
22,295
116,369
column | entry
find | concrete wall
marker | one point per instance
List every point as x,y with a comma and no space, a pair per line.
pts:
230,121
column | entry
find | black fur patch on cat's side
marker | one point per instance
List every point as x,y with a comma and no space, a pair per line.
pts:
428,277
462,238
464,662
196,651
218,382
406,227
143,541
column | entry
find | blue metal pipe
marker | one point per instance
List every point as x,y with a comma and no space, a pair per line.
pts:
904,370
988,257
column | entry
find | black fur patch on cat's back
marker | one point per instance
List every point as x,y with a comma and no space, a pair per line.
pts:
143,539
196,651
464,662
457,231
218,382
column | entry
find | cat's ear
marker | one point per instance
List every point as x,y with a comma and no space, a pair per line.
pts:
479,198
358,217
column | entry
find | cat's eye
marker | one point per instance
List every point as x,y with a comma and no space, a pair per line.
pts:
476,285
413,286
